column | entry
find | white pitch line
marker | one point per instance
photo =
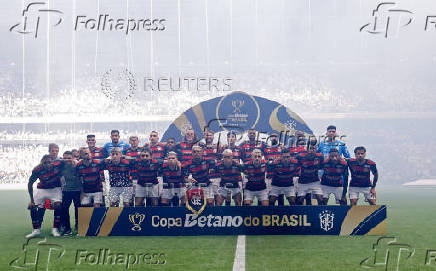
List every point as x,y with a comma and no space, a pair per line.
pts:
239,262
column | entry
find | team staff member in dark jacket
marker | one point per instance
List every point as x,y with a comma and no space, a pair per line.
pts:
71,190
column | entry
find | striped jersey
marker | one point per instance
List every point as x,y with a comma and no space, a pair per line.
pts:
172,177
360,173
309,164
255,175
119,173
147,171
247,148
230,175
200,169
157,150
335,174
283,175
184,152
48,178
90,175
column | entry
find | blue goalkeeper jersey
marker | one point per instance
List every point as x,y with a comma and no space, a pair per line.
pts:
325,147
109,146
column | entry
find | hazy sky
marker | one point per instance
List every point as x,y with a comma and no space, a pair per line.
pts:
268,44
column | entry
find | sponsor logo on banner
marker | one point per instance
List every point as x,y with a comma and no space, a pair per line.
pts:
136,219
326,219
238,110
195,200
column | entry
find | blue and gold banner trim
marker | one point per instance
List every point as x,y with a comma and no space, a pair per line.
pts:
234,220
237,111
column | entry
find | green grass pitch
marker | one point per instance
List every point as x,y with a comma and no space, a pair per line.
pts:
411,220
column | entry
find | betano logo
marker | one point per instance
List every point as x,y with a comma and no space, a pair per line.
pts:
216,221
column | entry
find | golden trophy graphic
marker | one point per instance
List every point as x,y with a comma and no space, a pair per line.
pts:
136,220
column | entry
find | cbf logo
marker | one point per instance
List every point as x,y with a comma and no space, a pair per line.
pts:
388,254
326,219
38,254
136,219
31,18
195,200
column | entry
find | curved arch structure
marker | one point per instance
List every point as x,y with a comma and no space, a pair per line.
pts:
239,112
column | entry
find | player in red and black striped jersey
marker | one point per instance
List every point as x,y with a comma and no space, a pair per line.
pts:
157,149
335,178
255,171
249,145
229,171
49,173
96,152
231,144
199,171
147,171
212,152
360,169
272,153
170,145
283,171
184,148
310,163
119,178
88,170
173,181
132,152
134,149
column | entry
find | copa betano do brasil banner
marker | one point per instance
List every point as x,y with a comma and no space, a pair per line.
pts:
233,220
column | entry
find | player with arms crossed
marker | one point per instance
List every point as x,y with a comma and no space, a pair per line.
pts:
88,171
283,172
49,187
229,171
360,169
255,171
335,178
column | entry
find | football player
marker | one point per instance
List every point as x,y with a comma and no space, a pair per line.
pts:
229,171
335,178
283,172
255,171
49,187
360,169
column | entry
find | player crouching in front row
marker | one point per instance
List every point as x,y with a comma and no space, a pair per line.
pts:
49,187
